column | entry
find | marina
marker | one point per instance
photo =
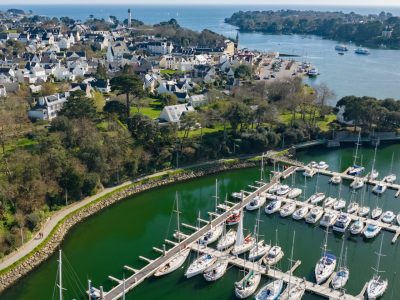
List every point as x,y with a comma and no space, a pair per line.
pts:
260,188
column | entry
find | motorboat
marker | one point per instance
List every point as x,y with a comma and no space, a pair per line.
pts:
273,189
342,222
335,179
300,213
379,188
272,197
377,286
288,209
174,263
274,255
313,72
316,198
363,211
357,227
283,190
309,172
325,267
362,51
355,170
357,183
373,174
329,201
388,216
248,285
238,195
217,270
199,265
390,178
233,219
339,205
212,235
322,165
226,240
376,213
341,48
271,291
273,207
312,164
353,207
294,193
256,202
329,218
258,250
372,231
314,215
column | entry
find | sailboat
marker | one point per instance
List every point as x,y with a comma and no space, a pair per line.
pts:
215,232
353,206
301,212
217,270
340,203
258,201
364,210
275,254
248,285
178,259
326,264
356,169
227,240
391,178
260,248
377,286
293,291
374,173
342,273
242,244
271,291
377,211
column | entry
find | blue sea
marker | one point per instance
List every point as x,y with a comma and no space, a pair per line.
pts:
375,75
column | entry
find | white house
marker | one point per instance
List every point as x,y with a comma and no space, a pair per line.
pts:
198,100
64,44
62,73
173,113
48,107
160,47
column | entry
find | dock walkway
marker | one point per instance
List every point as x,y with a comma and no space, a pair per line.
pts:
152,266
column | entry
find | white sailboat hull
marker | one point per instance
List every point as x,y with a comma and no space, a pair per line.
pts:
216,271
271,291
227,240
376,288
199,265
175,263
242,290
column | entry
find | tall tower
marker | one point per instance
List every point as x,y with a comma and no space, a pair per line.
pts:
129,18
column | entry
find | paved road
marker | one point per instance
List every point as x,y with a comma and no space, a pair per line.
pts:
59,215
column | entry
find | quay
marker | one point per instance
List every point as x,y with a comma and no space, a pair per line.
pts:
139,276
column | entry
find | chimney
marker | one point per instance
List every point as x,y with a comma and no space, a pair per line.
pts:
129,18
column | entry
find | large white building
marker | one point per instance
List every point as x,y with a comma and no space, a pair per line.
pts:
48,107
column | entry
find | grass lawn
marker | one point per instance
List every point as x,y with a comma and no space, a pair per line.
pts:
21,143
152,111
170,72
197,132
322,124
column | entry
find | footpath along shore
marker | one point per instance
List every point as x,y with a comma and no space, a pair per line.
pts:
31,254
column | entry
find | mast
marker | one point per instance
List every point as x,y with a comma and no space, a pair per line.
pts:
324,247
357,145
239,232
177,217
262,168
391,164
379,260
216,194
374,160
291,263
60,274
341,255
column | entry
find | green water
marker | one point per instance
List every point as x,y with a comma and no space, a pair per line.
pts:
103,244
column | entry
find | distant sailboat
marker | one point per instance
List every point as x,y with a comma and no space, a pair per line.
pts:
377,286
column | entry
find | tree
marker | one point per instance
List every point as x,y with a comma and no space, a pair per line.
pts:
128,85
243,72
48,88
98,100
78,106
168,99
101,72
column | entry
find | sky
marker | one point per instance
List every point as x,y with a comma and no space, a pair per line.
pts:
211,2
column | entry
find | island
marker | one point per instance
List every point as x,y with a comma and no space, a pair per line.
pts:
372,30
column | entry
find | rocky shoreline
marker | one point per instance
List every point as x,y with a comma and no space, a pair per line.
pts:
13,275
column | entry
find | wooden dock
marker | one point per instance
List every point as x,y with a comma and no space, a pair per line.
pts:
311,287
153,264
